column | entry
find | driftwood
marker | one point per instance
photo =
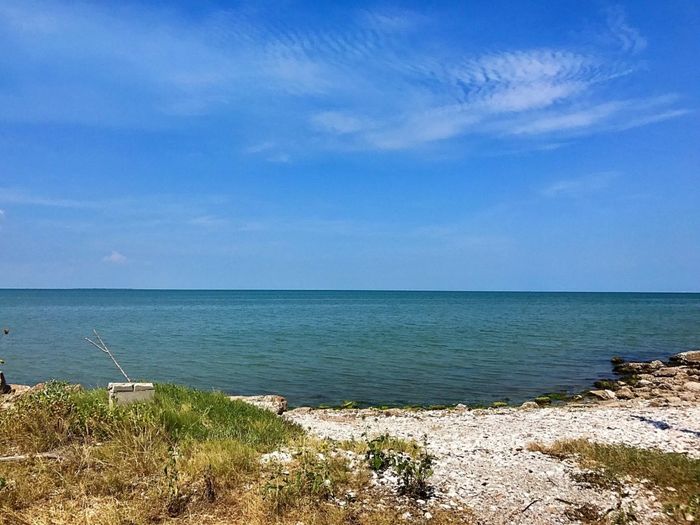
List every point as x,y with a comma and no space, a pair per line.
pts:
25,457
103,347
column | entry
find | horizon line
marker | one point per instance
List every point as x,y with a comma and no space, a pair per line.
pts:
403,290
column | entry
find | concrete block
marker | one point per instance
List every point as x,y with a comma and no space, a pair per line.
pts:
120,387
125,393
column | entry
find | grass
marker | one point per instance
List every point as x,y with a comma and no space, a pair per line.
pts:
676,477
187,457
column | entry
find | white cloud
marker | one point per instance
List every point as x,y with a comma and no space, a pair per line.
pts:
114,258
2,214
567,121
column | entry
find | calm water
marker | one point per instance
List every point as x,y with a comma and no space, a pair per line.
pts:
326,347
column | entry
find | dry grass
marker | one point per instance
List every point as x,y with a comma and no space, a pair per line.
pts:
675,477
188,457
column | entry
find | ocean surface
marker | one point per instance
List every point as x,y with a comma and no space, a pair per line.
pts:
325,347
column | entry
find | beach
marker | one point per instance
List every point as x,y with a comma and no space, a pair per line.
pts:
483,461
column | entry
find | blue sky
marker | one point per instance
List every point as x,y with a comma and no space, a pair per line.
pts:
465,145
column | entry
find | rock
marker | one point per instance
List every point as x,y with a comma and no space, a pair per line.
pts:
668,372
529,405
603,394
625,393
644,383
637,368
692,386
673,400
4,387
273,403
687,396
617,360
690,358
277,456
16,391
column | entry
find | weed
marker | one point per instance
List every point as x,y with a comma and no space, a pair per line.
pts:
413,472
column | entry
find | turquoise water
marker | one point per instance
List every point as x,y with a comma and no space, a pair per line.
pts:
325,347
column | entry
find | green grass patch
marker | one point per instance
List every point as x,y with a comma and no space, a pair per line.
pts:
194,414
59,414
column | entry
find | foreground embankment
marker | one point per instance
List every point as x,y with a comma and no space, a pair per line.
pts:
628,452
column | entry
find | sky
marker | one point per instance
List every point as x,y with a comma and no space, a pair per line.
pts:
350,145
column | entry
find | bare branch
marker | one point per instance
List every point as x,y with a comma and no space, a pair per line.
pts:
24,457
103,347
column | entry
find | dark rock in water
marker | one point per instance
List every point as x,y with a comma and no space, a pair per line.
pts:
637,368
606,384
6,331
617,360
690,358
4,387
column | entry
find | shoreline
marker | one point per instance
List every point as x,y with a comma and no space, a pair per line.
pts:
627,380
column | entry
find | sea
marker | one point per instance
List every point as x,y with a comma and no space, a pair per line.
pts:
329,347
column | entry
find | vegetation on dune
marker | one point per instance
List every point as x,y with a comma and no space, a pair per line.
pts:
188,456
674,476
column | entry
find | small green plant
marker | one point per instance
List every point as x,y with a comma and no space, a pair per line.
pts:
379,457
413,472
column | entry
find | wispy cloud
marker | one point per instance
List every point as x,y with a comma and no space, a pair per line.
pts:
628,37
580,186
208,220
114,258
367,84
15,196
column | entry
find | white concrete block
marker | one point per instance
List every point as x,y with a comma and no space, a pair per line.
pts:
125,393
